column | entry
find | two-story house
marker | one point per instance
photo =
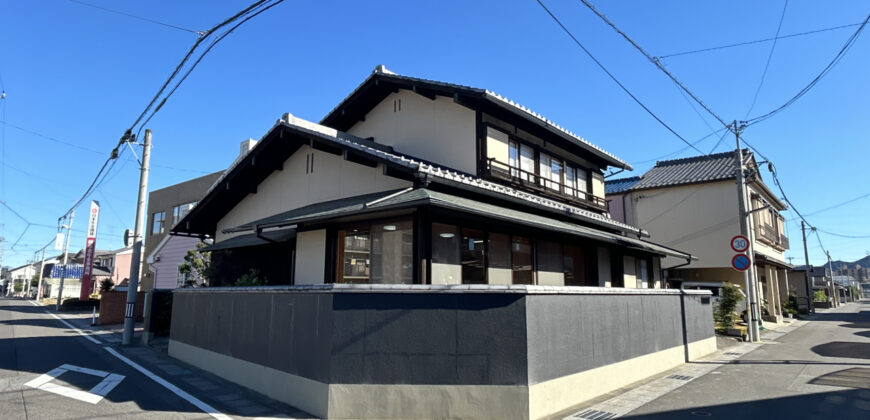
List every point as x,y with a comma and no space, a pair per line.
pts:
692,204
417,181
433,243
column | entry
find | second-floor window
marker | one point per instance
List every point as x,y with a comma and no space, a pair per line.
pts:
157,222
527,163
180,211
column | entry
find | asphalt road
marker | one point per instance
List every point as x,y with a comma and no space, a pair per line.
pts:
819,371
33,343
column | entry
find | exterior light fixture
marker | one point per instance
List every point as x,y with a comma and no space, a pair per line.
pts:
390,228
446,235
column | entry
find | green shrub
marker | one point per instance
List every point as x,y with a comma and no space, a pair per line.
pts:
724,314
106,285
76,303
820,296
251,278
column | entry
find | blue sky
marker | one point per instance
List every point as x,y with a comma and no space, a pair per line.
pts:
81,75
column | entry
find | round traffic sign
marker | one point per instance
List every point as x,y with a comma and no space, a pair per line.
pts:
739,243
740,262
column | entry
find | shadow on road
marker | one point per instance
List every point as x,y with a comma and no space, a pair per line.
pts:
852,350
850,404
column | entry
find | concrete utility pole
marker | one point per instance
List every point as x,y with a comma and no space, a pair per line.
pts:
810,306
748,275
833,283
130,312
41,269
72,214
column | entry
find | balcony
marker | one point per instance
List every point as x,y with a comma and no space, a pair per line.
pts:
535,183
769,235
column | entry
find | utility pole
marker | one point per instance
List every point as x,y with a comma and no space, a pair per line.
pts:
748,275
65,257
41,269
810,306
130,313
833,283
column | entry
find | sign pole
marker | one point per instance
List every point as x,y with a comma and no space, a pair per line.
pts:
748,275
90,248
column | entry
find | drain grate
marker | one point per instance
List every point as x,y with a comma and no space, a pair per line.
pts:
681,377
595,415
733,353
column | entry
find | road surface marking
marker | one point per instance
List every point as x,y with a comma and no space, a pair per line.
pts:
166,384
93,396
82,333
176,390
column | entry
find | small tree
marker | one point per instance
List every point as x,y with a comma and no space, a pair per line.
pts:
197,265
34,282
106,285
820,296
251,278
724,314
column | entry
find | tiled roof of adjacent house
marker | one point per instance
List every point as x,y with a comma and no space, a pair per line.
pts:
499,100
692,170
616,186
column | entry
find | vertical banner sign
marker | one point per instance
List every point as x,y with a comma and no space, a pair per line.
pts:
90,246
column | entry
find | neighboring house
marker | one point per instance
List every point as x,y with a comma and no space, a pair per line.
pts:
21,276
416,181
692,204
121,265
166,207
72,279
165,258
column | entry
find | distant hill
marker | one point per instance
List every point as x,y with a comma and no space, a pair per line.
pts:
863,262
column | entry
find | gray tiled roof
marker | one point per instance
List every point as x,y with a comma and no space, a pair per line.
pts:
443,174
616,186
412,197
497,99
692,170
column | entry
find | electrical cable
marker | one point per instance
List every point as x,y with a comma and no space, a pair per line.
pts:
767,64
721,139
612,77
841,235
740,44
835,206
849,42
199,33
653,60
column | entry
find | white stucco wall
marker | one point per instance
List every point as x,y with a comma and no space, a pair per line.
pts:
699,219
629,272
310,257
291,188
439,130
446,273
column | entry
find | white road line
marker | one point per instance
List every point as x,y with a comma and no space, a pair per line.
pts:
107,384
176,390
92,339
166,384
79,369
33,303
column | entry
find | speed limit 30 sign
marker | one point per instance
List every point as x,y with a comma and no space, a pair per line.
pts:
739,243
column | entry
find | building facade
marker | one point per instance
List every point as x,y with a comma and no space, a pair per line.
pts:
692,204
411,237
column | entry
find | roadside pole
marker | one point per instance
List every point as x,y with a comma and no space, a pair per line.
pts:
130,311
748,275
72,214
810,308
41,269
833,283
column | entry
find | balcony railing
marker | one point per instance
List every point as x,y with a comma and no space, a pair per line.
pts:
768,234
546,186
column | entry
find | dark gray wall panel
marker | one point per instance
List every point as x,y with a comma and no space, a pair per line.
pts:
573,333
432,338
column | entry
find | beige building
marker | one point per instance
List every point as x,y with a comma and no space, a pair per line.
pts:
692,204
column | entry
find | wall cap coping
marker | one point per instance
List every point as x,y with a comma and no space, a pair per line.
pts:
444,288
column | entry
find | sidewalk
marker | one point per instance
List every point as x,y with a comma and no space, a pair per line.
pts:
630,398
227,397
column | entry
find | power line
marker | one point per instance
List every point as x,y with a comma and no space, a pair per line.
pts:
838,205
653,60
849,42
740,44
683,149
612,77
199,33
767,64
721,139
66,143
841,235
187,56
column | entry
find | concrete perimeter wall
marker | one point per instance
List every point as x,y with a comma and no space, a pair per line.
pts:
354,351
